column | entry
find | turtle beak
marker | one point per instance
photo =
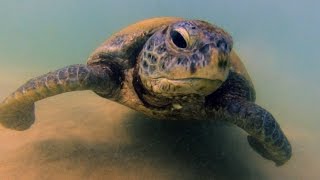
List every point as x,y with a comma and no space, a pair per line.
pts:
212,64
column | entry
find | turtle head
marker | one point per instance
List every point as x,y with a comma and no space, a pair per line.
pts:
186,57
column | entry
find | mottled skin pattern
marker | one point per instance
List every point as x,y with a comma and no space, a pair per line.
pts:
166,68
70,78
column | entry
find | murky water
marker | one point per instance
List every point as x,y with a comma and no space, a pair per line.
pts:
81,136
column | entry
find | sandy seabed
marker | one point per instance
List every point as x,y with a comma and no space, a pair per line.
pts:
82,136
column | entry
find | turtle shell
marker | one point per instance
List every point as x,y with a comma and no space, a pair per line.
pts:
124,46
237,66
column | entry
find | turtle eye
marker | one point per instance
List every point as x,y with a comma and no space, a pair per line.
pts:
178,39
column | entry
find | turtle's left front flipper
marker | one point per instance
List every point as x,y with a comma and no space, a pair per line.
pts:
265,134
17,110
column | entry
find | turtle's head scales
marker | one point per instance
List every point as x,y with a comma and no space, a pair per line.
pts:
188,56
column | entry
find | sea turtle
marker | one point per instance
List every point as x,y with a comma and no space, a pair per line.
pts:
166,68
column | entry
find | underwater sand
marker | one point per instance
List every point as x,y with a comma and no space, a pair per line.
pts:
81,136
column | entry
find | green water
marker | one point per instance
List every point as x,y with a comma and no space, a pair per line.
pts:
277,41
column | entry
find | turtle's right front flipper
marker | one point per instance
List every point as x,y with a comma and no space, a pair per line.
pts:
17,110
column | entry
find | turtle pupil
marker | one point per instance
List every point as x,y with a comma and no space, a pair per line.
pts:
178,39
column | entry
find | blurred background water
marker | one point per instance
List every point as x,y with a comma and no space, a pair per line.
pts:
277,41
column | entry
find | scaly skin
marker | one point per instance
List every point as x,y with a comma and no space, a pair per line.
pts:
17,110
234,103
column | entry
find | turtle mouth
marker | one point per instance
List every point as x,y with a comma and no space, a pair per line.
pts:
192,81
184,86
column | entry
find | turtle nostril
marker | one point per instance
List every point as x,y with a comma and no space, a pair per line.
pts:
193,68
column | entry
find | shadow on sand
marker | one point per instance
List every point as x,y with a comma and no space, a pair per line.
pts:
155,150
